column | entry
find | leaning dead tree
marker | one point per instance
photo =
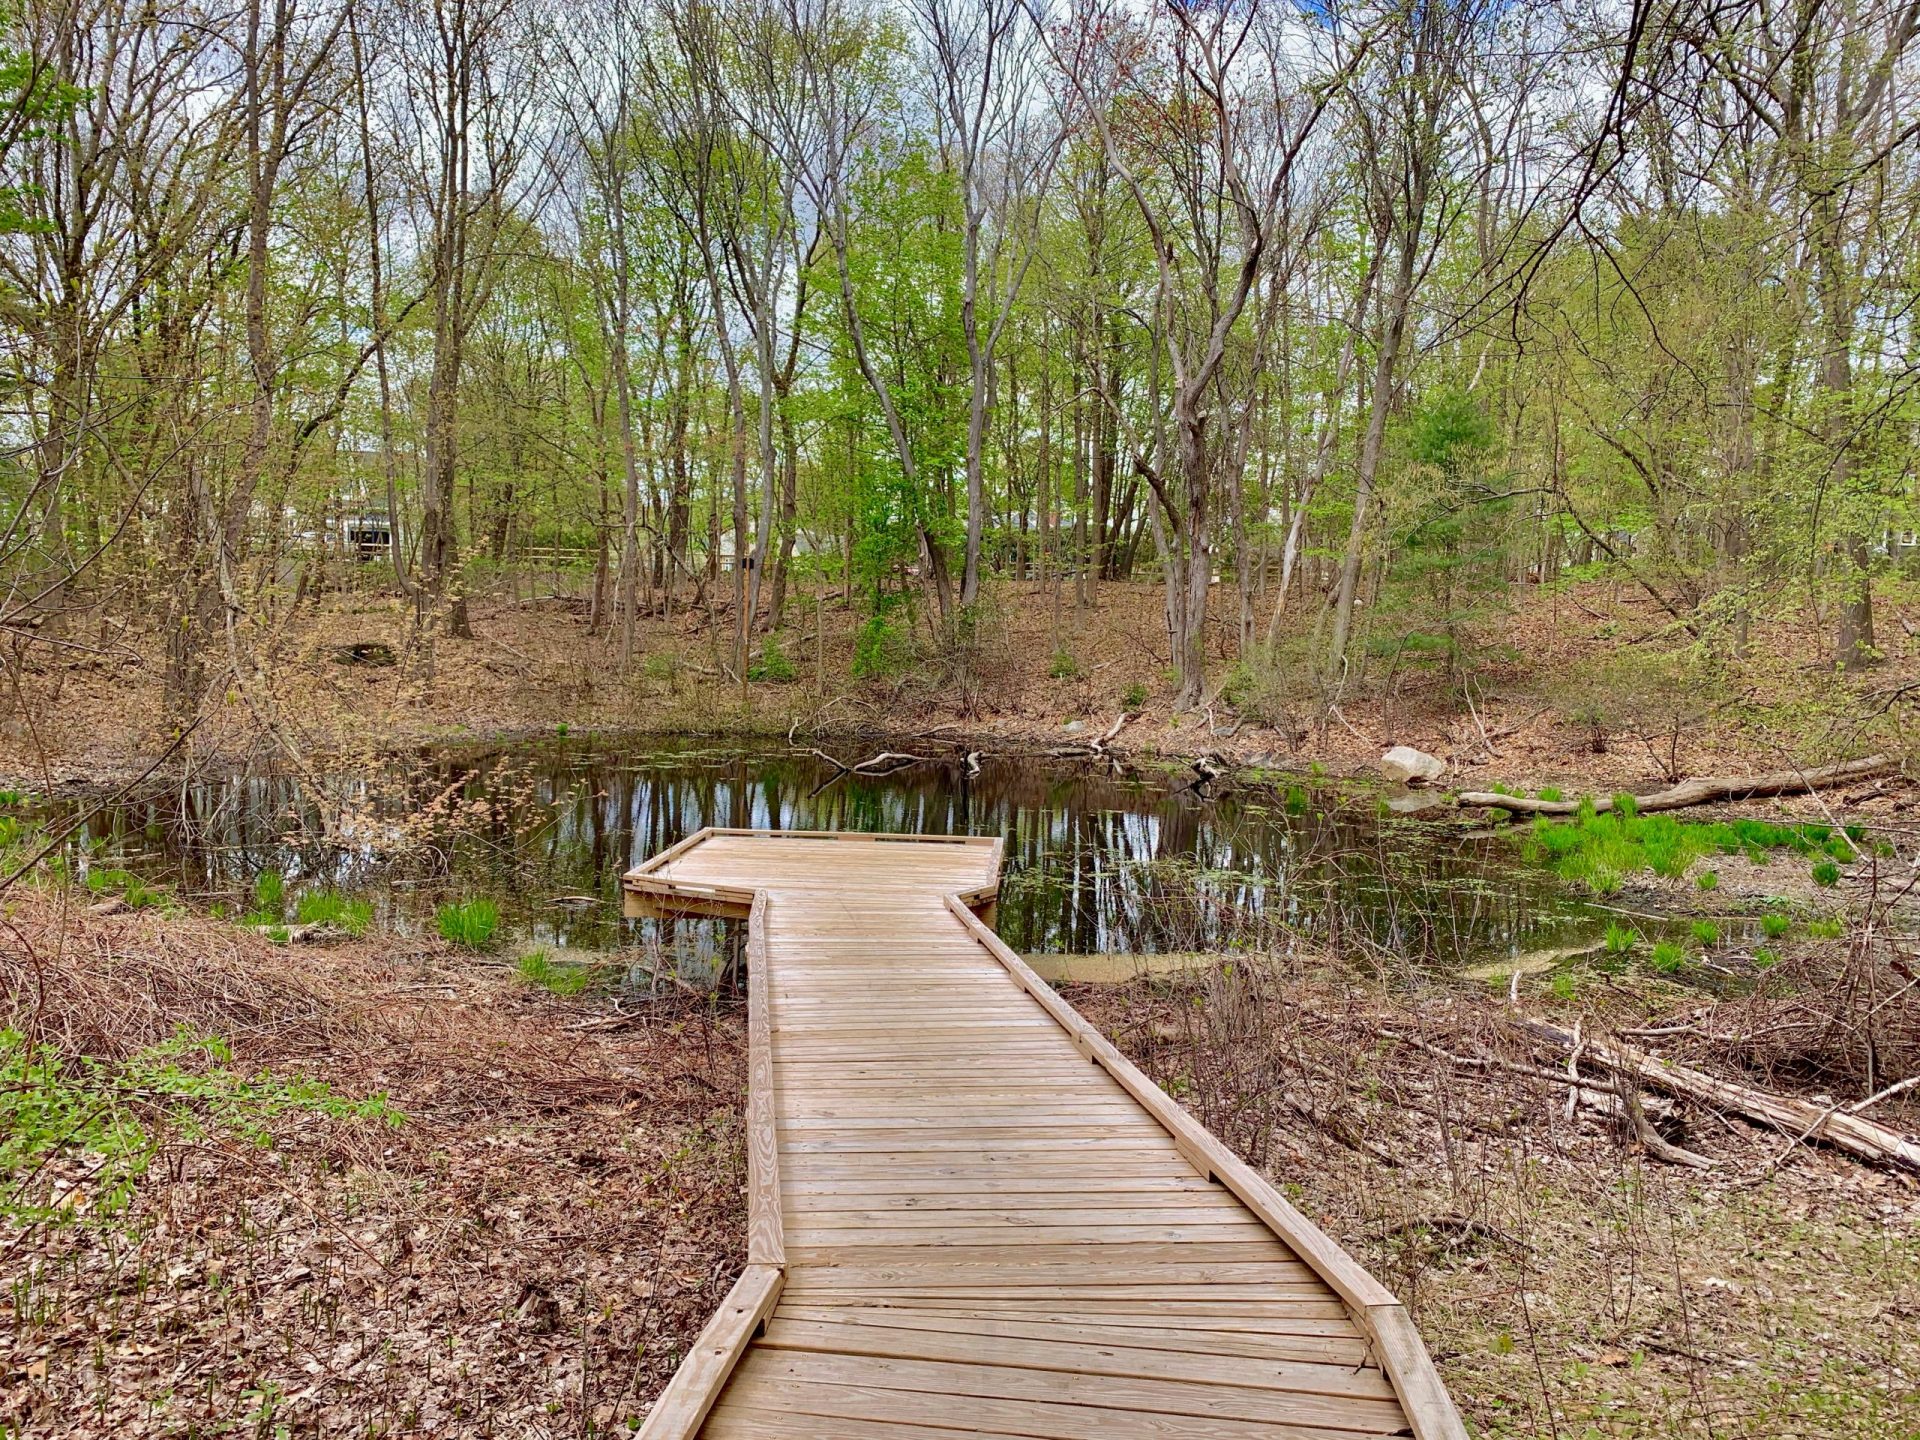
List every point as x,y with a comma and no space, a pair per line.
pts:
1702,790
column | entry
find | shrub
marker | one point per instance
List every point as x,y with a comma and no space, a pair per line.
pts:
880,650
468,923
331,908
555,977
773,665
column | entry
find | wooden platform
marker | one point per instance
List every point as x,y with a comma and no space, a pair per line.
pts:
969,1215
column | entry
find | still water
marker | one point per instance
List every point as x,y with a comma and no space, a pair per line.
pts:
1143,864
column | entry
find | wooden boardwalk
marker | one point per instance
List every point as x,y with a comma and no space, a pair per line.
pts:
969,1215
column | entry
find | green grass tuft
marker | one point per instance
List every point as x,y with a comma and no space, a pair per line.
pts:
331,908
1706,932
1668,957
469,924
555,977
1826,874
1773,924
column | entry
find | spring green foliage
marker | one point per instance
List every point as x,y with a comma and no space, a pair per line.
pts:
1706,932
1708,880
1064,666
880,651
1620,939
1765,959
269,892
469,924
1668,957
1549,793
1826,874
331,908
555,976
1828,927
1135,696
773,664
1773,924
130,887
115,1117
1601,850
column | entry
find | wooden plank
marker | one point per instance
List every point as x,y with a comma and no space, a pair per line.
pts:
765,1243
1104,1357
690,1394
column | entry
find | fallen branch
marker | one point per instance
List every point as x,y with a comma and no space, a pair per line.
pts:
1700,791
1838,1127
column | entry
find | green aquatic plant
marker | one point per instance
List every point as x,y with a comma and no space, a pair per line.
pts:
269,891
331,908
469,924
1706,932
555,977
1668,957
1774,924
1600,849
1621,939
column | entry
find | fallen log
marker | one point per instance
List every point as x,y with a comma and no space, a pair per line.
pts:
1834,1124
1699,791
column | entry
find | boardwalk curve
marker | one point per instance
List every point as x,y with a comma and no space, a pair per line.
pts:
968,1214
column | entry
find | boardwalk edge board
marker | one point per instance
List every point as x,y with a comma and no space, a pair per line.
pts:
695,1388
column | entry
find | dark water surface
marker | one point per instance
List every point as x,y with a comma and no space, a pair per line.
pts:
1095,864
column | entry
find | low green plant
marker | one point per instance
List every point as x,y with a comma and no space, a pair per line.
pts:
1706,932
1765,959
1063,666
1668,957
1774,924
556,977
1707,880
469,924
1826,874
1621,939
773,666
1599,849
1549,793
1134,697
117,1114
1827,927
331,908
269,891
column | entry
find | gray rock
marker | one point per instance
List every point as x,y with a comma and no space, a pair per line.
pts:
1409,766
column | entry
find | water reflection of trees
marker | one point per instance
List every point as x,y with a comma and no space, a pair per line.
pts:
1094,863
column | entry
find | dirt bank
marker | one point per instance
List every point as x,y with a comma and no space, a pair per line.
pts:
1568,670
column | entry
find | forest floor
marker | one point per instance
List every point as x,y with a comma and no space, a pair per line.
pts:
530,1247
529,1233
1580,686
